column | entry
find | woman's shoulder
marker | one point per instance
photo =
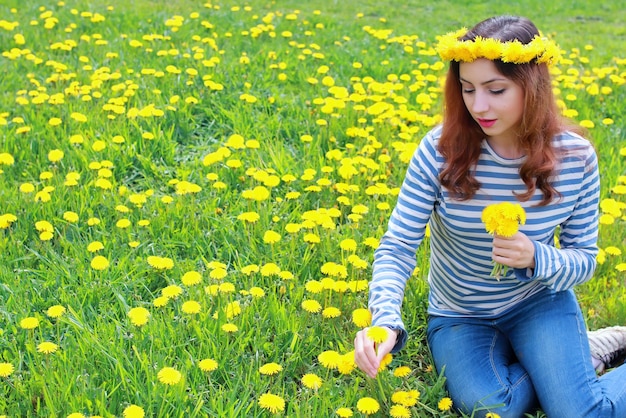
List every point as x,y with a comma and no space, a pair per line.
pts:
571,141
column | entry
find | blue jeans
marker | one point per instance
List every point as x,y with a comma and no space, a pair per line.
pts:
534,357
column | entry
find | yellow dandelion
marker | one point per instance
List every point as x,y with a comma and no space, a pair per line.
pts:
612,250
6,369
160,301
344,412
257,292
402,371
191,278
272,403
311,381
139,316
218,273
492,415
47,347
361,317
368,405
169,376
55,311
399,411
133,411
191,307
95,246
444,404
172,291
99,263
329,359
230,328
331,312
55,155
348,244
270,369
377,334
405,398
346,363
311,306
271,237
29,323
208,365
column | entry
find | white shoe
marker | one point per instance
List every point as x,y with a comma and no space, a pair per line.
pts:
609,346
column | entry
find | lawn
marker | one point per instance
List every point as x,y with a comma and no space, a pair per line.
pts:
192,193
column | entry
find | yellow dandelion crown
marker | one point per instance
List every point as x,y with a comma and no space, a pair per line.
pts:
540,49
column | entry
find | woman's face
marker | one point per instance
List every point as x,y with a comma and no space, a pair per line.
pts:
495,102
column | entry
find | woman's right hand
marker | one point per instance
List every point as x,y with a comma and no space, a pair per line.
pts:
368,355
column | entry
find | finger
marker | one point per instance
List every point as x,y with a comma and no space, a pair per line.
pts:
365,354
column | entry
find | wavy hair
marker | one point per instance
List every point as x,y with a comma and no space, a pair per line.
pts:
461,136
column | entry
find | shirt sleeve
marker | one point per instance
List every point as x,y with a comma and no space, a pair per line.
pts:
575,261
394,259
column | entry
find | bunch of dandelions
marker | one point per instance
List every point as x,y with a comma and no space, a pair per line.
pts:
503,219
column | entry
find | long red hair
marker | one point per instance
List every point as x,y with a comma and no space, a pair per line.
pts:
461,136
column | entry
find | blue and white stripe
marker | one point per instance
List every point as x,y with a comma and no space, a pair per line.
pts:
460,262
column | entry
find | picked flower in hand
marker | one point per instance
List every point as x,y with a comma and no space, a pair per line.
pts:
503,219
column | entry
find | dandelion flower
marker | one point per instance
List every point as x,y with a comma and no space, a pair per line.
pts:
230,328
331,312
344,412
172,291
270,369
405,398
257,292
55,311
208,365
99,263
503,219
169,376
402,371
348,244
6,369
160,263
311,381
368,405
346,363
47,347
133,411
492,415
329,359
70,216
29,323
191,278
55,155
311,306
95,246
444,404
271,237
399,411
76,415
272,403
361,317
160,301
191,307
377,334
139,316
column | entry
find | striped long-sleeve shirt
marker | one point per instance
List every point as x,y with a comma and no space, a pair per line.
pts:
460,281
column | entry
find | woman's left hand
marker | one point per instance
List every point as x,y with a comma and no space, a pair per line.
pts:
517,251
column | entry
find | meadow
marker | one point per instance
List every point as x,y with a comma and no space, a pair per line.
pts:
191,194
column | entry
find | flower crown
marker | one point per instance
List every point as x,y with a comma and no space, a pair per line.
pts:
541,50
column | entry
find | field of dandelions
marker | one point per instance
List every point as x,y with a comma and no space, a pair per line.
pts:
190,201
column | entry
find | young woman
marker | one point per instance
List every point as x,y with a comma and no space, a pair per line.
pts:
512,344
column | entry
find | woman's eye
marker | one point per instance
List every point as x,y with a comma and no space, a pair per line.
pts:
499,91
467,91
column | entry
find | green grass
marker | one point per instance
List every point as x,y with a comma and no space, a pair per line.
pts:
191,110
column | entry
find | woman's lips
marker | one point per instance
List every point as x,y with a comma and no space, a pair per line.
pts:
486,123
